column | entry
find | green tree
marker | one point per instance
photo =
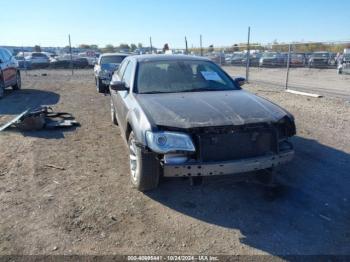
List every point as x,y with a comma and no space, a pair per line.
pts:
133,47
37,48
139,45
108,49
124,46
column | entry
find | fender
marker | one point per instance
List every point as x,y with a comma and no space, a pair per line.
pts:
138,123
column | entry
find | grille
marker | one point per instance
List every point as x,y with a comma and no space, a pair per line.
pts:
239,145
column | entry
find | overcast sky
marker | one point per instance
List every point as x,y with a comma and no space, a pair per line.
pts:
221,22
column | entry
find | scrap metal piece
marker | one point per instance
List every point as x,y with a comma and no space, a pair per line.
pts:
39,118
13,121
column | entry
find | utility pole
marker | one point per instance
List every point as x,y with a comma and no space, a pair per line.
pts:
186,45
70,51
248,56
24,60
150,42
288,64
200,42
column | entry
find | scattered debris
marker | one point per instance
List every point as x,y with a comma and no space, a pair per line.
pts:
55,167
40,118
54,248
43,74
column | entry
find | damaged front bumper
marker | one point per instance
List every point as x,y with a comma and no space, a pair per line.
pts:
227,167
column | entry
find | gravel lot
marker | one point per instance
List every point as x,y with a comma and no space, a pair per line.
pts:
321,81
86,205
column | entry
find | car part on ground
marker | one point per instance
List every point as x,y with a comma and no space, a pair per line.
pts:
41,118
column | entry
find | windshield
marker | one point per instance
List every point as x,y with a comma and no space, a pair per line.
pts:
181,76
113,59
320,55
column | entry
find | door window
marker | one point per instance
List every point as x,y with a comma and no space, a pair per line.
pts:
127,75
122,69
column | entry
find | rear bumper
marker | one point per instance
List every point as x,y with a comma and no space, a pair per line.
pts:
227,167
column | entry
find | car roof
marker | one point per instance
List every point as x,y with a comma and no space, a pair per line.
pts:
112,54
148,58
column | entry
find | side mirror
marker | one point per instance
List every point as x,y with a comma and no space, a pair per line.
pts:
240,81
118,86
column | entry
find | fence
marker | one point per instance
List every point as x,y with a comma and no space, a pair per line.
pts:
308,67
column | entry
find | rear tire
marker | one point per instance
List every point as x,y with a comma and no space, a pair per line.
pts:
2,89
18,84
144,167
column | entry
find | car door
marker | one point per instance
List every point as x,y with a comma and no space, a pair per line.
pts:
122,97
6,72
118,75
11,65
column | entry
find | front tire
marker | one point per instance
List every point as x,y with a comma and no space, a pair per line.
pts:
18,84
144,167
101,88
2,89
113,116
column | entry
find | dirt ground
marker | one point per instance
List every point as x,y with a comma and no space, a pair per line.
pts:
68,192
321,81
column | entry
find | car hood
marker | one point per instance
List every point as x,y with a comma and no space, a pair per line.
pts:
203,109
109,67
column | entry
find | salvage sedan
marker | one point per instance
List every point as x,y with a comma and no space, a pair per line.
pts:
184,116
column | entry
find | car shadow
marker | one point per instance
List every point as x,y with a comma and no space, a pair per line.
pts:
307,213
15,102
57,133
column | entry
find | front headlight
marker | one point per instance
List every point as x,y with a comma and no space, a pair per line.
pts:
166,142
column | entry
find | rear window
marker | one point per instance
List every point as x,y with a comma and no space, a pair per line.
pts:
115,59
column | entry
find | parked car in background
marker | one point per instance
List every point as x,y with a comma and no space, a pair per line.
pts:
297,60
183,116
253,59
22,62
272,59
228,58
64,62
344,64
237,58
217,57
38,60
10,74
321,60
104,69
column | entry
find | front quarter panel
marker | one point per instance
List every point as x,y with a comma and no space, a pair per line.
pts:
138,122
